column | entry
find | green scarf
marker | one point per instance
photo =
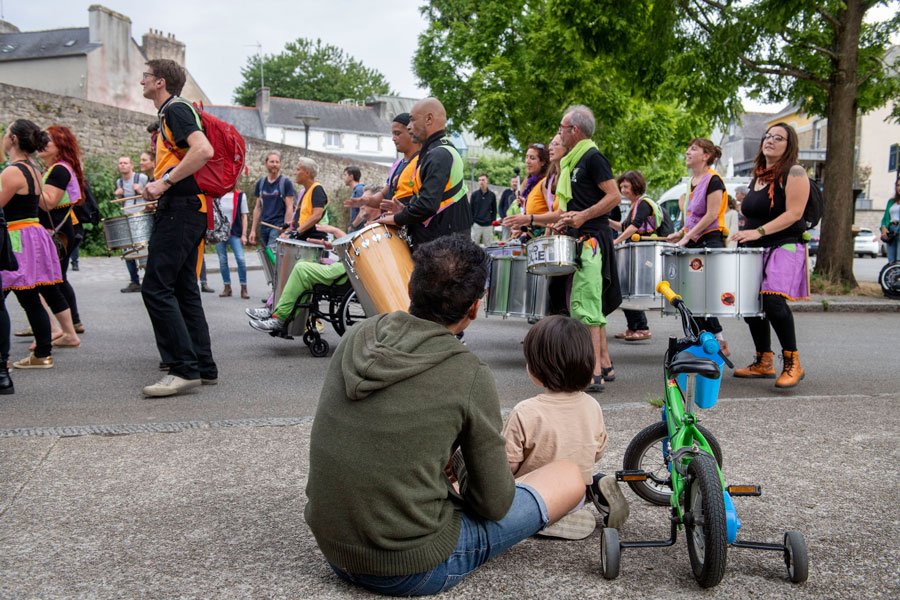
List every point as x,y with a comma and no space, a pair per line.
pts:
564,187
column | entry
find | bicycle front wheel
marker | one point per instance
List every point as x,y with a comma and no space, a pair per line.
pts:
706,530
649,451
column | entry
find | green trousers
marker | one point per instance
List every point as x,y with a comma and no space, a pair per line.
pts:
303,277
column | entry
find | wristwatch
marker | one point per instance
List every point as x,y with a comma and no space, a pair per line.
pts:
165,179
761,231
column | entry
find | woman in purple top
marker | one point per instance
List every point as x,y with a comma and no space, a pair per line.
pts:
774,212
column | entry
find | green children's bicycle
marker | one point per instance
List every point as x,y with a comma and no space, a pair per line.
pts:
678,463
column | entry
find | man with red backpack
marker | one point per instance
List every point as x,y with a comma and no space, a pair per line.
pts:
170,289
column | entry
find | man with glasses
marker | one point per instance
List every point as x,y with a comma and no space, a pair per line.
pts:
170,289
587,193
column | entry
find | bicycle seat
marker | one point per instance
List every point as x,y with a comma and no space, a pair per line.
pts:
688,363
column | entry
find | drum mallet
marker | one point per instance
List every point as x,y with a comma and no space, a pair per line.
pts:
117,200
636,237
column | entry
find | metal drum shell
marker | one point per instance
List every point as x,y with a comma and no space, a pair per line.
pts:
640,268
716,282
379,264
551,255
288,253
513,291
129,231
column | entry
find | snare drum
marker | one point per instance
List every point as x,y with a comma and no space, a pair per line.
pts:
551,255
130,231
511,248
379,263
715,282
513,291
288,253
640,267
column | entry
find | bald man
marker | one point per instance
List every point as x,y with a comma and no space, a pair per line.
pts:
439,205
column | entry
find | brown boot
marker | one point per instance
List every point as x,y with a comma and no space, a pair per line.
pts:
792,373
762,367
244,293
226,292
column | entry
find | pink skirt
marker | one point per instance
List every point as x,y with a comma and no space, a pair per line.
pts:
37,257
786,272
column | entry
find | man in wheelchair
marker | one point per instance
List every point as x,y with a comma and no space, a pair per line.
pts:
303,277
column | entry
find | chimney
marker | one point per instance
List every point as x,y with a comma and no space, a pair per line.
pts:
157,44
109,28
262,104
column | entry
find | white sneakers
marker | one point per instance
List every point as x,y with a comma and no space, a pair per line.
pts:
170,385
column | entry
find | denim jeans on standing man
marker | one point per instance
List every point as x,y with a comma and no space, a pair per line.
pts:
238,249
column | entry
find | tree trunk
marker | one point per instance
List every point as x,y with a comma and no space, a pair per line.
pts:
835,258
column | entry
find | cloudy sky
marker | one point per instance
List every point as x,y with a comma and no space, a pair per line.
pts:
221,34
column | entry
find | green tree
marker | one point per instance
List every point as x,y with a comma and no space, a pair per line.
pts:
310,70
821,55
508,68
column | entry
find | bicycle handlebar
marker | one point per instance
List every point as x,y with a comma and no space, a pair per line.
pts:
668,293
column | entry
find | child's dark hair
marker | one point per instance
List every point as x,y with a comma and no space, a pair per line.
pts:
559,353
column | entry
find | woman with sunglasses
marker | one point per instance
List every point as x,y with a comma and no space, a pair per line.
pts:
774,212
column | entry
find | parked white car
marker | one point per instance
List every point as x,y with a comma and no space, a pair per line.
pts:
867,242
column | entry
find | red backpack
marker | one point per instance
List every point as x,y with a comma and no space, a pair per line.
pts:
221,172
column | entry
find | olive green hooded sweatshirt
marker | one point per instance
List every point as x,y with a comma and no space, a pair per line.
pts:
399,395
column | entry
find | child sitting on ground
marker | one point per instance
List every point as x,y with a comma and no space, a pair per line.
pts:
564,422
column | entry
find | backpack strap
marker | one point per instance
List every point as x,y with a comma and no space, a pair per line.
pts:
237,201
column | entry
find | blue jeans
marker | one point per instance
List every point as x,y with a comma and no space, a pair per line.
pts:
479,541
267,237
132,267
238,249
893,249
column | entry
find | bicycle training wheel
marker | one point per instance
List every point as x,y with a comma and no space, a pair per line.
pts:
705,528
649,451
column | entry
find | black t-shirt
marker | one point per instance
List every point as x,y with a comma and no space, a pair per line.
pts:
757,212
643,212
182,122
592,170
58,177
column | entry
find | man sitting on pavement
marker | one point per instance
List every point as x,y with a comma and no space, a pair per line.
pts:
400,396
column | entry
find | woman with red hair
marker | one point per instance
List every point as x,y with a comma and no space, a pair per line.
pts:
62,190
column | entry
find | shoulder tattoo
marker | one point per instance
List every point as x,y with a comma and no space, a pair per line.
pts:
797,171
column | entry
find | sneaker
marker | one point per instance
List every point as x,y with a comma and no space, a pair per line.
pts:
169,386
574,526
131,288
259,314
268,325
609,500
33,362
596,385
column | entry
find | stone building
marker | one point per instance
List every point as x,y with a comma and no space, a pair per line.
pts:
99,63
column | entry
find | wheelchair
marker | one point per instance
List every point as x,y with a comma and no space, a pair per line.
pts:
342,310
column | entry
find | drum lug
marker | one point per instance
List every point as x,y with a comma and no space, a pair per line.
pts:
365,244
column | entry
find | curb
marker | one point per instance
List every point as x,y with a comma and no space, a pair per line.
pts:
846,306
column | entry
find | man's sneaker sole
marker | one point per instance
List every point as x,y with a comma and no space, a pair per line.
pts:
618,505
158,391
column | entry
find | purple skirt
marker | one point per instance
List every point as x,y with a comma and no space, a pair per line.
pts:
786,272
37,257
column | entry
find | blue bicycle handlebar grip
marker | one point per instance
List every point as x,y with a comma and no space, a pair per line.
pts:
709,342
666,290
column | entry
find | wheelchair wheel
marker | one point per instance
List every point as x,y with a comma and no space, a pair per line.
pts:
351,312
309,338
649,451
796,558
319,348
610,553
705,527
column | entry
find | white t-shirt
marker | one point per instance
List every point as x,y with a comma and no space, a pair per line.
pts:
226,203
128,190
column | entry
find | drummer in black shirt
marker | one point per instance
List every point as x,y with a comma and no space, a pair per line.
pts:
587,193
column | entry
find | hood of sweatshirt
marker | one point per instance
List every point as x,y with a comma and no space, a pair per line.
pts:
390,348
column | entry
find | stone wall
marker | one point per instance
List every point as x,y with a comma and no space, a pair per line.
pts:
110,132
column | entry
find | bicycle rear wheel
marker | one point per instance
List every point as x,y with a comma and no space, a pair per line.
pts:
649,451
706,530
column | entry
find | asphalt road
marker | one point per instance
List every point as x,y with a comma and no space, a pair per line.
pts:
264,378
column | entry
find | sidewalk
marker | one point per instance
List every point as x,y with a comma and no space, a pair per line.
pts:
216,511
102,268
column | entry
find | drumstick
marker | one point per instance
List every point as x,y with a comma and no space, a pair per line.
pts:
636,237
272,226
152,202
117,200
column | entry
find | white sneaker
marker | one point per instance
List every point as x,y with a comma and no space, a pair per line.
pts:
268,325
618,505
170,385
258,314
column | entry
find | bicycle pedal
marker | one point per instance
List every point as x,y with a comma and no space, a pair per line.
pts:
744,490
632,475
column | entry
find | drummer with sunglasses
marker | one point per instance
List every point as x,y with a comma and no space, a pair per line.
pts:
587,193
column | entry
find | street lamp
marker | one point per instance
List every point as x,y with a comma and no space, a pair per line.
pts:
307,121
